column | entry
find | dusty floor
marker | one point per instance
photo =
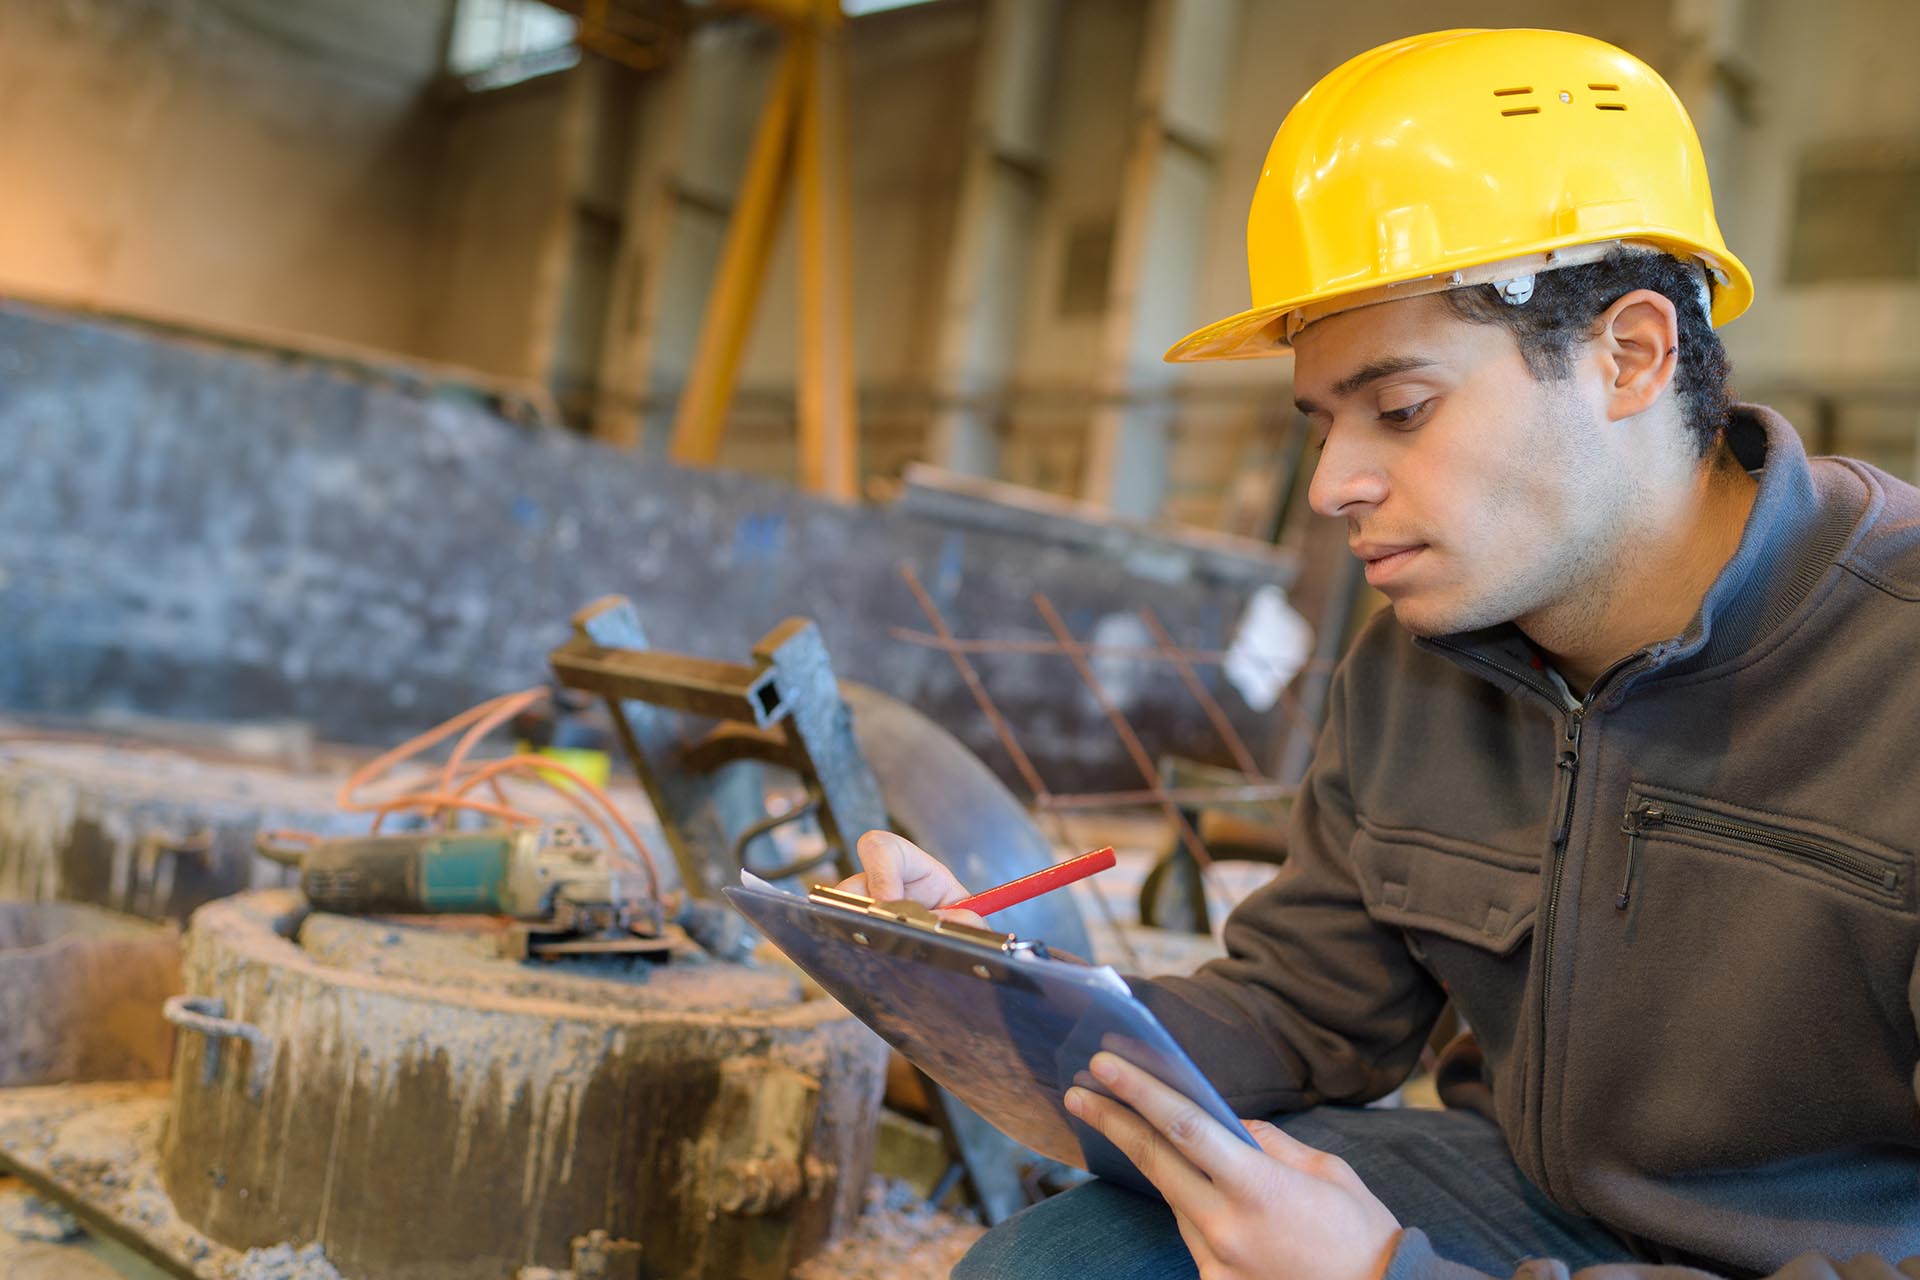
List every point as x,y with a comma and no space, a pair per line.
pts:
898,1238
40,1239
97,1143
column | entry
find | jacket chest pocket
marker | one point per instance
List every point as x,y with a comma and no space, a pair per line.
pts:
1431,884
1770,955
1848,864
1467,912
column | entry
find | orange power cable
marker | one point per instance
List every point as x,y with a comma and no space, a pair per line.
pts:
447,796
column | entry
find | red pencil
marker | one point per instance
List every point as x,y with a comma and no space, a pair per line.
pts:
1014,892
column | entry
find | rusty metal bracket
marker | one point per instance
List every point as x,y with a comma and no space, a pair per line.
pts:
206,1016
595,1256
820,724
901,772
785,708
772,823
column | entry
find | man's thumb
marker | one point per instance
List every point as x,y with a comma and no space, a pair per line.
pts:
881,855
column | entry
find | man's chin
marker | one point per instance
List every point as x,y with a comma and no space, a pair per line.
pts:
1417,621
1428,617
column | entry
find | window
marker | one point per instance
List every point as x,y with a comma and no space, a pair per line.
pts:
501,42
854,8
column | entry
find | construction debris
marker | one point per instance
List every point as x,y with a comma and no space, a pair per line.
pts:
26,1216
899,1237
284,1262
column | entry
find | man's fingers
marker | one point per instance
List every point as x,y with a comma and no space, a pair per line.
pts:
1207,1144
1184,1186
1196,1240
884,877
1278,1143
897,868
1300,1157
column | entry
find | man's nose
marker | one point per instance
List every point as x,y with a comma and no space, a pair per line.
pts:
1345,480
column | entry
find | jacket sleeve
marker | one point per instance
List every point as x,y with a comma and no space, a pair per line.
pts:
1315,1001
1414,1259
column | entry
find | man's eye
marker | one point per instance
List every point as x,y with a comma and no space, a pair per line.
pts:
1401,417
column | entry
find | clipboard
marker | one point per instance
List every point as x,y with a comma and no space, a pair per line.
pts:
994,1019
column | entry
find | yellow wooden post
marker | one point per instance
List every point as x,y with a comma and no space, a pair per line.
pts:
828,428
701,417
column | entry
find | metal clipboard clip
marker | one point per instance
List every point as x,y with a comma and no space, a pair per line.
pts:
915,916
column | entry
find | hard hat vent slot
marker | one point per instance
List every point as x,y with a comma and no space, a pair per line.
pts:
1609,106
1610,88
1521,111
1508,93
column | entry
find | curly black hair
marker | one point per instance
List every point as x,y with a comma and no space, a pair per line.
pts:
1566,302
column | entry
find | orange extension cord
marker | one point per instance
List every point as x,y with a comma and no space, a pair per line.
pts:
449,795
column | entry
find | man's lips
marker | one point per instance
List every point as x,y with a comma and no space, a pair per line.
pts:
1383,561
1371,551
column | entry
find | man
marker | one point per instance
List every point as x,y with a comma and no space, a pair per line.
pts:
1627,770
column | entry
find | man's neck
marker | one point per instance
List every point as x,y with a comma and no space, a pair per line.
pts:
1658,584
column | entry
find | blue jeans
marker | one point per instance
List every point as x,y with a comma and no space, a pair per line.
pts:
1447,1172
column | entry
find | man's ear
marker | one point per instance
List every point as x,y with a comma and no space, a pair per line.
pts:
1637,345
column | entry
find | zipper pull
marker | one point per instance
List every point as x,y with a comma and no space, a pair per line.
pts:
1645,815
1626,881
1566,761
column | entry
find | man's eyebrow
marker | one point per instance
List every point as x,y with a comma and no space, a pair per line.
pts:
1370,372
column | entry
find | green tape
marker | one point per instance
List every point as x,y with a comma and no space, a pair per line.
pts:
464,873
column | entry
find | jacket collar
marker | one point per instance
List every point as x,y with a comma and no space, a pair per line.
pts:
1794,534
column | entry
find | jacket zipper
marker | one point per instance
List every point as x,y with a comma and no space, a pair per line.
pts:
1567,768
1567,776
1841,861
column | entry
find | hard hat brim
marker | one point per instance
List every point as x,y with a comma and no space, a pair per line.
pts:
1254,334
1262,332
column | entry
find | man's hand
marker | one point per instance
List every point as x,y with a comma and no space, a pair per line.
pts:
897,868
1281,1212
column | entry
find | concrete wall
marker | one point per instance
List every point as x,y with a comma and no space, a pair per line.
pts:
209,534
254,163
499,220
1822,80
1838,357
248,162
292,168
1099,57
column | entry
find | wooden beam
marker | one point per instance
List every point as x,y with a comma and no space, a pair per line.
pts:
829,439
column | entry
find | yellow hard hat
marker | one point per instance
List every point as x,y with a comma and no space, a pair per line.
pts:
1468,157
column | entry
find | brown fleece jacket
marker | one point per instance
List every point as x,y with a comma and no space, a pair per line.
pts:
1680,914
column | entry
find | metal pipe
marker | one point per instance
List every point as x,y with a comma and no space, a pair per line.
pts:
1128,738
698,686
